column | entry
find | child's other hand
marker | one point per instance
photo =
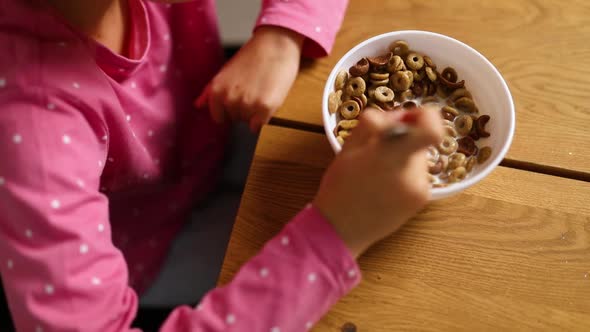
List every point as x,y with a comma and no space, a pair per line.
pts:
255,82
374,185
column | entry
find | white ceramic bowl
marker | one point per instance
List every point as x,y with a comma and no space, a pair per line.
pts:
483,80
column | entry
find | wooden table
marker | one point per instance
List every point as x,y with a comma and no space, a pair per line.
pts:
511,253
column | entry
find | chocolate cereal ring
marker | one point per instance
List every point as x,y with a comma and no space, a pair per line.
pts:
384,94
381,61
467,146
480,126
360,69
350,109
450,74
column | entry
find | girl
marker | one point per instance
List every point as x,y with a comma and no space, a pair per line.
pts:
103,155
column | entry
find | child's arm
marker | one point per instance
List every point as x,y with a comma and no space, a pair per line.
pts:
61,271
254,84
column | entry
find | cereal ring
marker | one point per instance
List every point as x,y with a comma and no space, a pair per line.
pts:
447,115
484,154
458,94
340,140
431,74
450,131
480,125
379,76
456,160
356,87
431,91
451,110
384,94
347,124
418,75
458,174
334,100
431,178
386,106
396,64
448,145
466,146
364,100
445,162
400,81
359,101
470,163
441,91
450,74
418,89
344,133
350,109
463,123
414,61
429,100
439,185
375,106
399,47
466,105
435,167
432,153
380,83
371,92
406,95
360,69
409,105
341,79
428,62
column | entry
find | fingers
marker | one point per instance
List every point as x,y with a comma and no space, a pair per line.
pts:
406,131
373,124
427,130
209,98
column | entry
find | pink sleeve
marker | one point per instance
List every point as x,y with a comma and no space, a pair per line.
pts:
61,271
287,287
317,20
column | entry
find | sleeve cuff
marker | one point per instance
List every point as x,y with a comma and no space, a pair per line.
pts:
319,39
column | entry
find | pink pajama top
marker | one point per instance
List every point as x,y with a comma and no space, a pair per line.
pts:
102,157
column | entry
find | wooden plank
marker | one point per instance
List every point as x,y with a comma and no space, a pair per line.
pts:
540,47
511,253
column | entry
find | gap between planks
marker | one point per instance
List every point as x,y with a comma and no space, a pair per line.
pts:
506,162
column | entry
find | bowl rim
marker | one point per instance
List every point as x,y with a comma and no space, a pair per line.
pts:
457,187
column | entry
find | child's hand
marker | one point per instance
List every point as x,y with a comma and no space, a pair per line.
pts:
254,84
374,185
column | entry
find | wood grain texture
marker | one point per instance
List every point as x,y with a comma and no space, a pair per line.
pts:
539,46
510,254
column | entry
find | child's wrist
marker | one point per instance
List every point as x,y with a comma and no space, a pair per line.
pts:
280,38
